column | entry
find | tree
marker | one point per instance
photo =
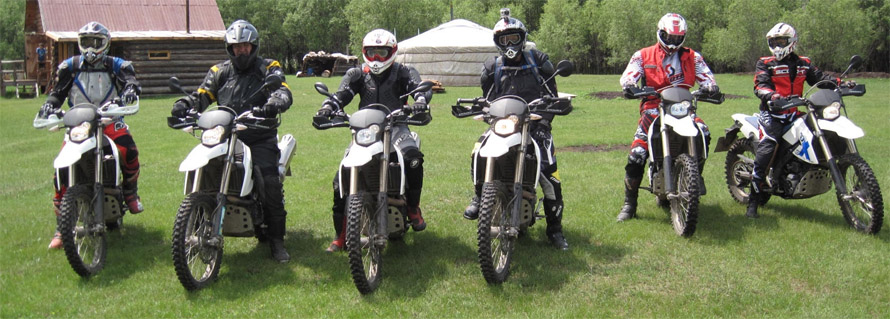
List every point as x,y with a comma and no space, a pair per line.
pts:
12,26
738,45
405,19
831,31
566,33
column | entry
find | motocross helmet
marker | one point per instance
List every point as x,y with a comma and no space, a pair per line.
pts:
93,40
379,48
242,31
671,32
509,35
781,40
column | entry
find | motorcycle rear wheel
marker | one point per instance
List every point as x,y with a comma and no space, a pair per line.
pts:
739,169
863,205
684,207
495,247
364,251
82,238
196,262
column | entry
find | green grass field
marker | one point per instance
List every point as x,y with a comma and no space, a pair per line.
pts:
800,259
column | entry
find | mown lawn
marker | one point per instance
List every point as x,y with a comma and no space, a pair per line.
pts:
800,259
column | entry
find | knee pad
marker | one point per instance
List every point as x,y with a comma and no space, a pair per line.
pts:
413,157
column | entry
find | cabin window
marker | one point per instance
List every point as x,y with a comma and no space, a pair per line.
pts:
159,55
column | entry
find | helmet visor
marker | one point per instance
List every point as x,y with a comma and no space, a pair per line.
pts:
377,53
671,39
779,42
509,39
91,42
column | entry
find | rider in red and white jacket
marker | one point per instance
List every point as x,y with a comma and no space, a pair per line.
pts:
662,65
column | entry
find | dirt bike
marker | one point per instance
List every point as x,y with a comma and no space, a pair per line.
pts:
222,188
376,209
814,151
677,145
509,204
94,203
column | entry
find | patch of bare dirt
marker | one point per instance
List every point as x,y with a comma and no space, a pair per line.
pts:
594,148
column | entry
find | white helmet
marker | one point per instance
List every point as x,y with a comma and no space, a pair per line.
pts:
781,40
509,35
671,32
379,49
93,40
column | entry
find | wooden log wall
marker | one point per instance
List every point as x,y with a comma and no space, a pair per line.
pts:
189,60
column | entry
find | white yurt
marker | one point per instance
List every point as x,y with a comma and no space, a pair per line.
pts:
451,53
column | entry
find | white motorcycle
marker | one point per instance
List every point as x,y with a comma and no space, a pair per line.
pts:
221,196
372,179
89,161
508,164
676,146
814,151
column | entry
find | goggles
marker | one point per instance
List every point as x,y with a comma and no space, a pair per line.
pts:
377,53
510,39
779,42
671,39
92,42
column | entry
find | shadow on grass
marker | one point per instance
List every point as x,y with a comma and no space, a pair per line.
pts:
131,249
716,227
830,216
413,264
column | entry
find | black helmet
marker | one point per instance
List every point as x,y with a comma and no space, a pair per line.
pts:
509,35
93,40
242,31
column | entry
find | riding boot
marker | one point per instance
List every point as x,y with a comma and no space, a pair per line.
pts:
339,225
553,212
472,210
275,217
754,199
134,203
416,217
631,191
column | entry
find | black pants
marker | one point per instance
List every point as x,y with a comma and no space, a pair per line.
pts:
265,155
771,128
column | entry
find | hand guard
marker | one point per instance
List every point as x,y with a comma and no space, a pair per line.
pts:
129,96
628,91
181,107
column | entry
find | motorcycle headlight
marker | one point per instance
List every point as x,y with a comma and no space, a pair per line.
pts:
680,109
368,135
213,136
80,133
831,111
506,126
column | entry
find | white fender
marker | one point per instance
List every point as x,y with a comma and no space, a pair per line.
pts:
72,152
800,134
750,124
287,145
538,162
200,155
496,145
117,159
684,126
843,127
358,155
401,159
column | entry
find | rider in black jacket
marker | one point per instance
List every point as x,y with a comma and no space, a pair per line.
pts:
381,80
522,72
232,83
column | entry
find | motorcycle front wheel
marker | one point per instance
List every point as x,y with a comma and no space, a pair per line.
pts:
862,205
196,257
684,207
82,237
364,247
495,244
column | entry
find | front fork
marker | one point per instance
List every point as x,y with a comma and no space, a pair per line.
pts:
518,177
836,176
669,185
221,200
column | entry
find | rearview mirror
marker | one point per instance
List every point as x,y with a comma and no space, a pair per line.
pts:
175,86
565,68
322,89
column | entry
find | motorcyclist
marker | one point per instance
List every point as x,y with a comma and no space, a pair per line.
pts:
233,83
95,77
381,80
779,76
521,71
662,65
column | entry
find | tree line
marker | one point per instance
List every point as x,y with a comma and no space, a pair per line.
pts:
599,36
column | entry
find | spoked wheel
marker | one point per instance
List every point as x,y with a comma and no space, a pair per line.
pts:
740,169
862,205
196,254
684,207
494,233
365,249
82,237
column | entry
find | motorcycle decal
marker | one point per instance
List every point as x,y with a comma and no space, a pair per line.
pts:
804,147
801,139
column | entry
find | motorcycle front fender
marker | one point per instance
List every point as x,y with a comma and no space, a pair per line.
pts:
360,155
684,126
843,127
496,145
201,155
72,152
